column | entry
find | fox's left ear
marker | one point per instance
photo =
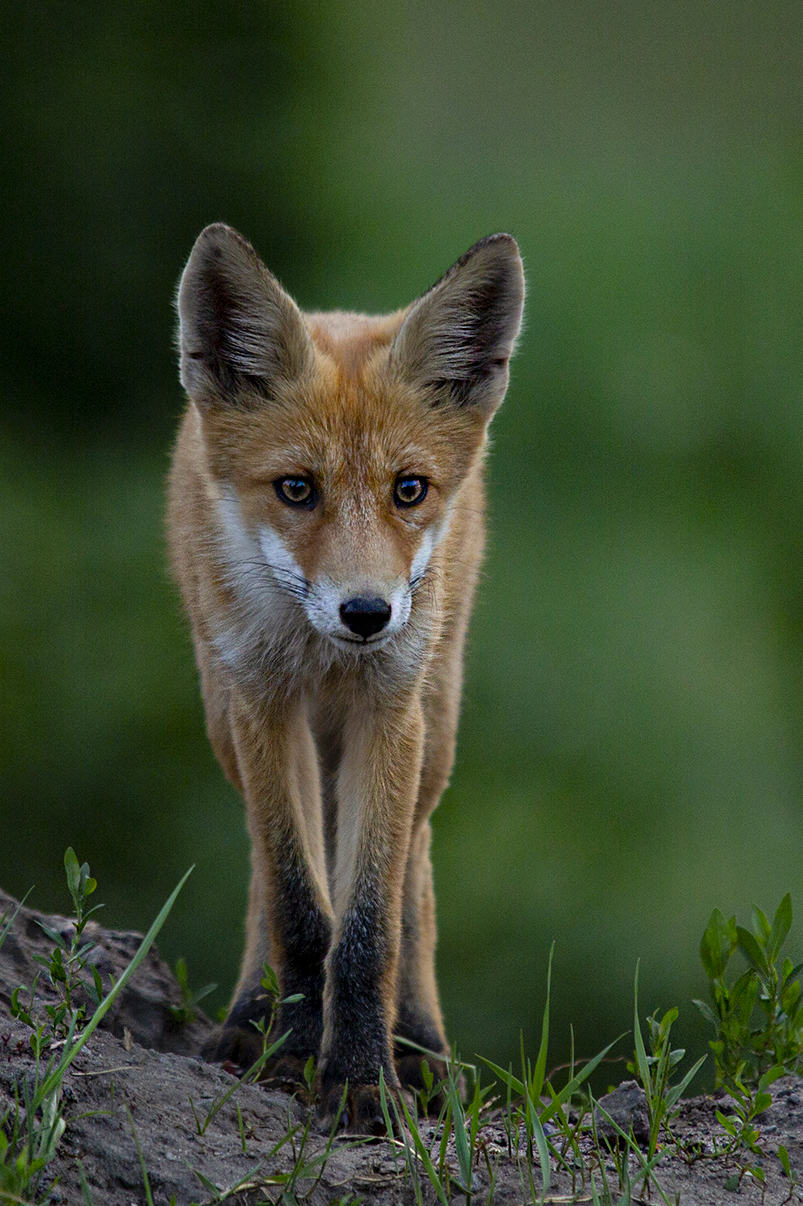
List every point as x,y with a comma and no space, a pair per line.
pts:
456,341
240,334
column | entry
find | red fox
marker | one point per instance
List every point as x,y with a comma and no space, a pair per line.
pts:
326,529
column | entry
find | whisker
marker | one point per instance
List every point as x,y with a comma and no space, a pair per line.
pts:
425,578
292,584
280,571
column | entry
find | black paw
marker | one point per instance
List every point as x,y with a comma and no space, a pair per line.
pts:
233,1045
285,1071
361,1113
240,1048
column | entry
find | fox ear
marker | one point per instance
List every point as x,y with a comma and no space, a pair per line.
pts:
456,341
238,329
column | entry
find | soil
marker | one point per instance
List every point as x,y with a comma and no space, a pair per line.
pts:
139,1082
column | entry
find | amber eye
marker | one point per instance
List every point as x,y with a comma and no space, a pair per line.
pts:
410,491
297,491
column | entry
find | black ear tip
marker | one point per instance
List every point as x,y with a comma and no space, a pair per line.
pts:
218,239
502,242
215,232
212,227
499,256
503,237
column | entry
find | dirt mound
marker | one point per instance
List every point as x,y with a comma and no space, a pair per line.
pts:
138,1101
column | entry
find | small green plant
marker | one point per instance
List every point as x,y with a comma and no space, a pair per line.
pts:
20,1167
465,1123
534,1102
65,966
69,959
273,994
27,1147
619,1150
744,1136
758,1025
270,983
655,1070
310,1167
184,1013
758,1017
306,1167
248,1077
141,1157
791,1173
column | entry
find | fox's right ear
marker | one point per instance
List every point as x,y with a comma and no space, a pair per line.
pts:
456,341
239,332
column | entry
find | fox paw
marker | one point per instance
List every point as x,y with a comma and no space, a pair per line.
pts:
361,1113
284,1071
233,1045
241,1048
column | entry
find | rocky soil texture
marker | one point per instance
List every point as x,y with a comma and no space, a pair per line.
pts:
137,1101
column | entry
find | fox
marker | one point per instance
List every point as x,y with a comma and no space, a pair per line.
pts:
326,529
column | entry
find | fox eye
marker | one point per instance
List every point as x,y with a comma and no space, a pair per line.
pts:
410,491
297,491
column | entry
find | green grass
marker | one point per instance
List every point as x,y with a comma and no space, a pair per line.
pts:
552,1121
26,1152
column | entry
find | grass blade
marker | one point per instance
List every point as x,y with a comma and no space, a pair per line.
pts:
71,1049
137,1144
573,1085
539,1074
423,1154
678,1090
541,1144
641,1054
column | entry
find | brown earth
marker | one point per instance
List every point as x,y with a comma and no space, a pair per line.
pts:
138,1080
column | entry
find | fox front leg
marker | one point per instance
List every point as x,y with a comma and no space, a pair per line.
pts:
376,793
290,914
418,1018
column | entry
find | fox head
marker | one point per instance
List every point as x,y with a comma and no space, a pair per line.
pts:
336,445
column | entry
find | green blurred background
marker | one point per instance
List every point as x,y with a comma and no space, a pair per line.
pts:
632,735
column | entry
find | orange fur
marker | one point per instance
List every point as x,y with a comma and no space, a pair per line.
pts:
326,529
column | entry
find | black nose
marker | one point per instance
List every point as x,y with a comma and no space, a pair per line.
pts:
365,616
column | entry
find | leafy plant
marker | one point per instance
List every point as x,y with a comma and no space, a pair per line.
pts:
758,1018
536,1115
185,1012
270,983
25,1153
758,1023
69,959
655,1070
789,1172
744,1136
273,994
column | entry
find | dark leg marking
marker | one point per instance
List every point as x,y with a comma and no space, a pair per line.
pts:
360,1039
415,1024
303,934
